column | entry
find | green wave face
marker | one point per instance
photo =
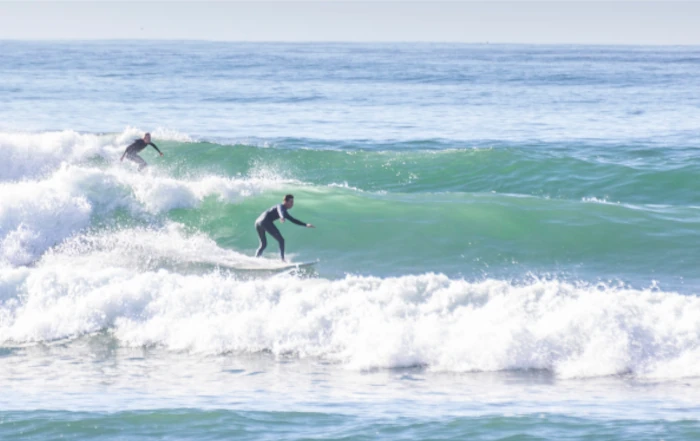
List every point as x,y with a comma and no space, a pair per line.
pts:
505,211
625,174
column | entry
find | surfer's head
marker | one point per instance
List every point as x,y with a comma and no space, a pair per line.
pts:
147,137
289,201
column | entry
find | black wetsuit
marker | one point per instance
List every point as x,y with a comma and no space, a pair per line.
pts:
264,223
133,150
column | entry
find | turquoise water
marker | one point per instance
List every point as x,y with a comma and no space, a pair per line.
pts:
506,241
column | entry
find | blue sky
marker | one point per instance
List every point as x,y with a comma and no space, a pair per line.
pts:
519,21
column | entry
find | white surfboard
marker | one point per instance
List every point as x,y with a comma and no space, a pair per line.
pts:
268,266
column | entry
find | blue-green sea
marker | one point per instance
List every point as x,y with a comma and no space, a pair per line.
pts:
506,242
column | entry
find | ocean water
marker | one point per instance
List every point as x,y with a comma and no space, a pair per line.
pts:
507,242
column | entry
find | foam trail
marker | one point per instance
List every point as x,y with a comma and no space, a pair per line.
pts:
141,249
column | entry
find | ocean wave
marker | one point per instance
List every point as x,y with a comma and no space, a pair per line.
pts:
451,325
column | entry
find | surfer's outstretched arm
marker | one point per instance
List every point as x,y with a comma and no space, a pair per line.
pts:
284,215
296,221
156,147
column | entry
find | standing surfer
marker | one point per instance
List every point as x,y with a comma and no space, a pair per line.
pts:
264,224
132,151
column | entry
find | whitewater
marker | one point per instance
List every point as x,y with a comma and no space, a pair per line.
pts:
506,239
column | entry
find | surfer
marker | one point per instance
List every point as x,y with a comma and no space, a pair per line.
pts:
132,151
264,223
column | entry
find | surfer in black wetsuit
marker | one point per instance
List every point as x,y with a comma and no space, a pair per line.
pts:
264,223
131,152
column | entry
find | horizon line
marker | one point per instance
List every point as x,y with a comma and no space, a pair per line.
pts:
355,42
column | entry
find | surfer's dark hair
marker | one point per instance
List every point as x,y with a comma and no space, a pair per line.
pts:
288,197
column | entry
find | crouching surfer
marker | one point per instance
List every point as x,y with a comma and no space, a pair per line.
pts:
265,224
132,152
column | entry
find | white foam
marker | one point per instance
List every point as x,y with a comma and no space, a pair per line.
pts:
36,215
29,155
364,322
33,155
345,186
161,193
129,134
595,200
